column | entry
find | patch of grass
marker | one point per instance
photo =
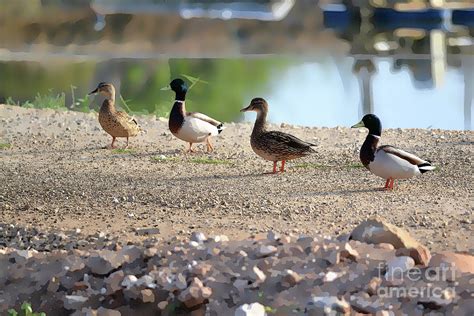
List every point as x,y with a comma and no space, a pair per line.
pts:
310,165
210,161
43,101
5,145
163,158
270,310
25,310
123,151
50,101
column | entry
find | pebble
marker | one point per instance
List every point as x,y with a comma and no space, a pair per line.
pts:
253,309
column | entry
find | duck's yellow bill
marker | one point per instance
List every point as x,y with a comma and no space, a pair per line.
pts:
166,88
360,124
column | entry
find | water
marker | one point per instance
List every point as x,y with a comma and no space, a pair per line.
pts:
322,91
411,77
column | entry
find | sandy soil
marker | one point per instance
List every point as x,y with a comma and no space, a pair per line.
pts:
56,175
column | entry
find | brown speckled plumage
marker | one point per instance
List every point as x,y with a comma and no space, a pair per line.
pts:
115,123
274,145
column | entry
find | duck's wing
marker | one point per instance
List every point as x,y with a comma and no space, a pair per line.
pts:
412,159
204,117
287,139
126,120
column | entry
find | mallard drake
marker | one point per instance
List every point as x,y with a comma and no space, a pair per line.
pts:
192,127
273,145
115,123
387,161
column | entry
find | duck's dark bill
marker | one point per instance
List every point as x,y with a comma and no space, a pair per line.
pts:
245,109
166,88
95,91
360,124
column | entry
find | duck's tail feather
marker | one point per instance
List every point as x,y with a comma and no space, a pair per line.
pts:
425,167
220,128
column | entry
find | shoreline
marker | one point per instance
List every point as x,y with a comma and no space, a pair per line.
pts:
61,178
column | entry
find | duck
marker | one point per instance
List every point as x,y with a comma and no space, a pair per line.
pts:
115,123
388,162
274,145
191,127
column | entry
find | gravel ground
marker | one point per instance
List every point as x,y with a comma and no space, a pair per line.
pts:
276,275
56,175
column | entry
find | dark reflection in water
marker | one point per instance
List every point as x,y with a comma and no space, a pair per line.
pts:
411,74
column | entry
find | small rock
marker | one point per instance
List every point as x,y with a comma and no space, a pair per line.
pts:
147,231
331,276
195,294
202,269
147,296
397,266
101,311
198,237
327,305
349,253
129,281
272,236
113,281
291,278
221,238
74,301
266,250
373,285
259,276
254,309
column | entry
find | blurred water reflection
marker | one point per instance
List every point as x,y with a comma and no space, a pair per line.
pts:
316,67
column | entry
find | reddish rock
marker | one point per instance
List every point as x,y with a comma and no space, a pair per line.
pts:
375,231
195,294
290,278
349,253
462,262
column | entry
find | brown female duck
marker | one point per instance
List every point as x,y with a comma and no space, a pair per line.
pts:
115,123
273,145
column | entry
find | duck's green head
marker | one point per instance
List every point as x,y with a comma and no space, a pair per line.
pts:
372,122
257,105
177,85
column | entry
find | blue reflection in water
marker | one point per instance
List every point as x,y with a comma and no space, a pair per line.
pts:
314,94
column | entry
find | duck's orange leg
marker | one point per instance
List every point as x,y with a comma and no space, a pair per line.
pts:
126,146
210,148
274,169
282,168
190,149
389,184
113,142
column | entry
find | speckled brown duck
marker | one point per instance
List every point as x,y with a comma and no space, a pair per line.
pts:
273,145
115,123
387,161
